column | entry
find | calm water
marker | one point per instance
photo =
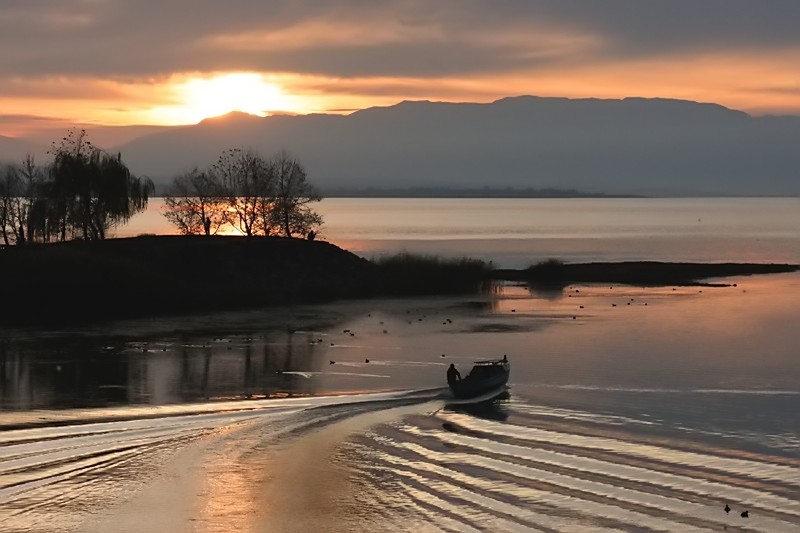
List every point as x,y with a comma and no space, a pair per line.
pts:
514,233
630,409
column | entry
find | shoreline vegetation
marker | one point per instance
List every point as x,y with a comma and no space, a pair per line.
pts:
149,276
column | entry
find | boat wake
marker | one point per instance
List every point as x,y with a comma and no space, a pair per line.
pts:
402,461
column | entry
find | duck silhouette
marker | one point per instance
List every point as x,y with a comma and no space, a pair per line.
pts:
727,508
745,514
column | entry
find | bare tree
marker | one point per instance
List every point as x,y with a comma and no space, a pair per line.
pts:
261,197
18,188
8,191
248,182
31,177
290,214
197,204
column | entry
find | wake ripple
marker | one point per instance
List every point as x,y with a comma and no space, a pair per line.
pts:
495,475
386,462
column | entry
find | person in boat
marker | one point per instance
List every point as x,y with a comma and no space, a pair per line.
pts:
453,374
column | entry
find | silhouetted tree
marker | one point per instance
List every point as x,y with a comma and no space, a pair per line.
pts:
253,195
8,192
18,187
290,213
196,203
88,191
248,183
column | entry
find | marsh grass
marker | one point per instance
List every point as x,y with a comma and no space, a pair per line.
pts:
549,269
414,274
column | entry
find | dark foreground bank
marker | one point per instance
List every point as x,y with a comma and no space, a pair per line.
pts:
145,276
149,276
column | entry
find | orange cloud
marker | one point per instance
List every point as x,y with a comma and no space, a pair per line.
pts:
746,81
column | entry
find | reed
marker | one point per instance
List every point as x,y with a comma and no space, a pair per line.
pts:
407,274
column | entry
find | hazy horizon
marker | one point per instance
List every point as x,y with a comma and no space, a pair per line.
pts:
111,136
587,147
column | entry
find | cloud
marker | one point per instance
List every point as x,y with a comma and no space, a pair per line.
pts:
121,54
352,38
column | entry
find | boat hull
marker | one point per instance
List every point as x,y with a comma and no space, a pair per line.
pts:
481,380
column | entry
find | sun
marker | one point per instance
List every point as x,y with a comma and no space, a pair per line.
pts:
212,96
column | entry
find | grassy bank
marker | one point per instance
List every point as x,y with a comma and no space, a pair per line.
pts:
149,276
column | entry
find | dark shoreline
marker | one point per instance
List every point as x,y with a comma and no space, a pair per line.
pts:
82,282
641,273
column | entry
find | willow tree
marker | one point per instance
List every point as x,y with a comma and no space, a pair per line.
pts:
88,191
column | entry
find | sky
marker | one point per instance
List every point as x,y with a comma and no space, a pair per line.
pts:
169,62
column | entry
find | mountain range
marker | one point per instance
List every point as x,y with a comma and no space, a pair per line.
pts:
612,146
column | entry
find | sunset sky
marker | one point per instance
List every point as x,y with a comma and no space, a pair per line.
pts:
179,61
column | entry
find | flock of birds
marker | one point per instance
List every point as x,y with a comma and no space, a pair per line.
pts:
352,334
448,321
727,508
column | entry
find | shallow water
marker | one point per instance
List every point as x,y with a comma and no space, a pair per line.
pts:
634,409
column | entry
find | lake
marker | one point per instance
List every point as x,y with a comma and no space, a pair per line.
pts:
515,232
630,408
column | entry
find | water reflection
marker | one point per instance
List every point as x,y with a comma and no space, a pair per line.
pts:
491,409
86,373
611,337
547,291
309,350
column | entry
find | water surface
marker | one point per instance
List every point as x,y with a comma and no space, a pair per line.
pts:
629,409
514,233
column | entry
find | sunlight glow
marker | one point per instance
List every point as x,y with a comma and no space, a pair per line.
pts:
45,107
204,97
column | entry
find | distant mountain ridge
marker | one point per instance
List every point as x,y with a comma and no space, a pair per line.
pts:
630,146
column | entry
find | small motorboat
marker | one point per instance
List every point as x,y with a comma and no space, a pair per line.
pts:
485,377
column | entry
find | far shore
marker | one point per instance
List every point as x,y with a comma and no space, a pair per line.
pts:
148,276
640,273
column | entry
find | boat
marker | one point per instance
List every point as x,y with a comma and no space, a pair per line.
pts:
485,377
